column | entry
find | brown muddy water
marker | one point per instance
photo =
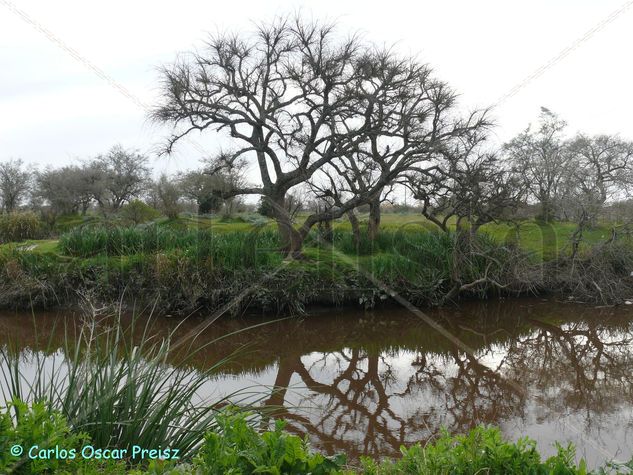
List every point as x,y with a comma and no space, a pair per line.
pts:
369,382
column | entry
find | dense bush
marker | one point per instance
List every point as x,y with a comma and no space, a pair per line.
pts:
603,274
15,227
36,424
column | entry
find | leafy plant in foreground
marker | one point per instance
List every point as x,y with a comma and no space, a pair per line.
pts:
482,451
236,448
32,425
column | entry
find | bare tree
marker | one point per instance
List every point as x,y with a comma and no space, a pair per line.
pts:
15,184
283,96
117,177
298,102
469,185
410,117
600,171
540,159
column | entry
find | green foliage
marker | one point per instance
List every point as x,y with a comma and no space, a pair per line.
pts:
236,448
265,207
15,227
209,203
67,222
138,212
200,263
482,451
36,425
199,268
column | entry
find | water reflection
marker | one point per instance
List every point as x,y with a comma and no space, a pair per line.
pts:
368,383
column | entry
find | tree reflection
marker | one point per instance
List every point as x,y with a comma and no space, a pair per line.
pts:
365,402
579,367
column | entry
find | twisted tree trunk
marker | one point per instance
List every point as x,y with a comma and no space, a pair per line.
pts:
353,221
373,225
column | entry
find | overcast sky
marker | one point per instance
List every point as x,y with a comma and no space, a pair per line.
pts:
74,76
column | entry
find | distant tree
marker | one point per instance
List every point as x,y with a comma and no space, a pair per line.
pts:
196,186
292,205
539,158
168,194
210,185
15,184
65,190
117,177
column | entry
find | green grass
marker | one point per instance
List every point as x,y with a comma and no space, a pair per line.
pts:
231,249
543,241
70,221
546,241
395,254
407,248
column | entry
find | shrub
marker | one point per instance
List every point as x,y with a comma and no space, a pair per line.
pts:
138,212
604,274
481,451
16,227
236,448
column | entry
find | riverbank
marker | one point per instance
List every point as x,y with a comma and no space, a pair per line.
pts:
184,270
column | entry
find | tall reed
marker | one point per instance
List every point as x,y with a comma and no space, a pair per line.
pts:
120,389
